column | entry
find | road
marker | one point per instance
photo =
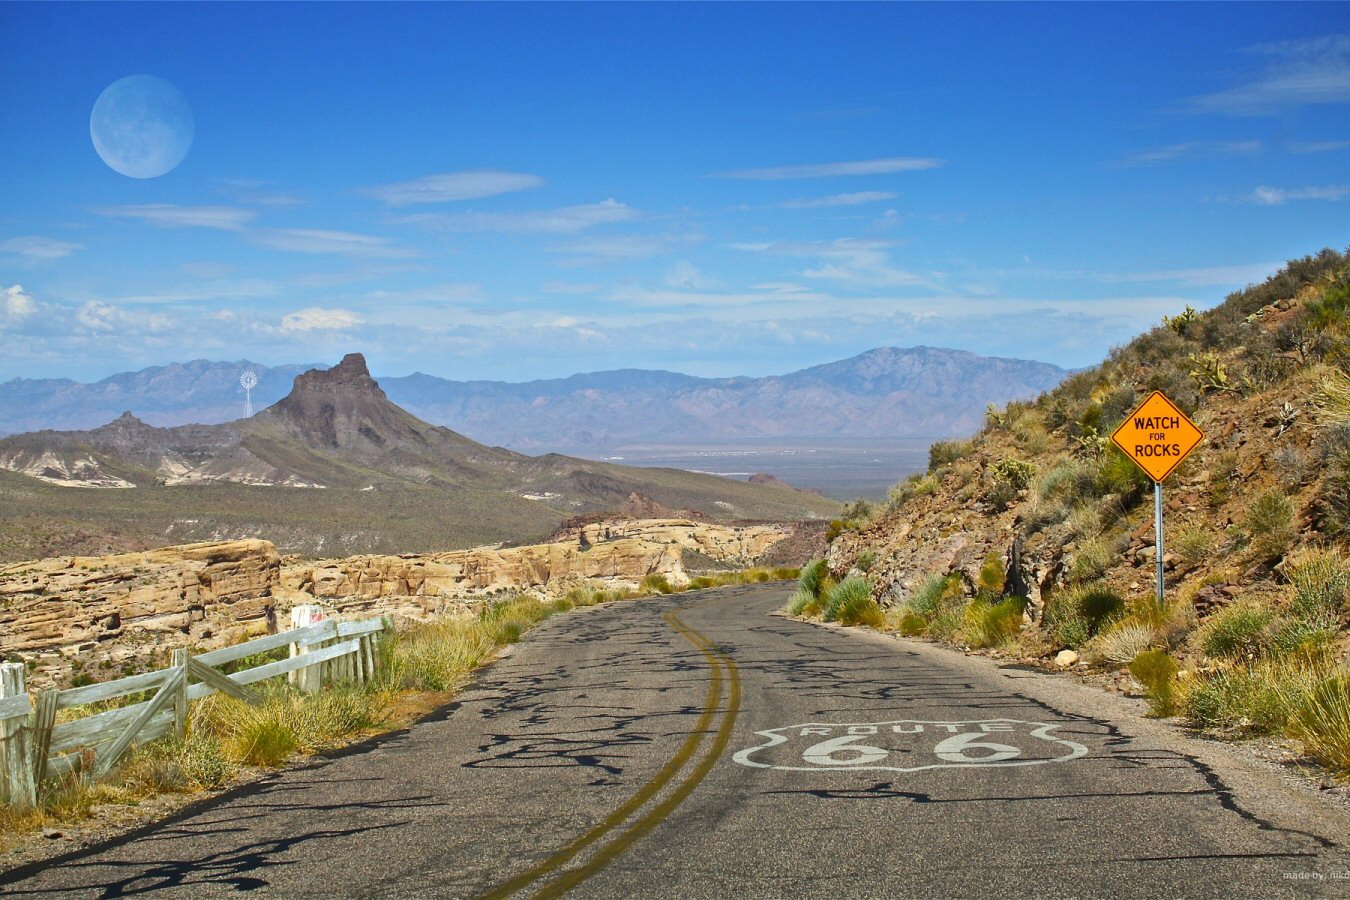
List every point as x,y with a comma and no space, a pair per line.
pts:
699,746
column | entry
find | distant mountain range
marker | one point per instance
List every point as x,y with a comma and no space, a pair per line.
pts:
334,466
889,392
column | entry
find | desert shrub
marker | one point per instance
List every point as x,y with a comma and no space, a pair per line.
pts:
943,453
1195,544
1224,477
906,621
1258,698
992,575
1011,476
656,584
813,577
866,560
1122,642
801,601
1093,559
1333,402
1333,499
850,603
1292,466
1322,721
1270,524
1242,629
1321,580
1075,615
1118,474
930,596
1157,672
990,622
436,656
1306,638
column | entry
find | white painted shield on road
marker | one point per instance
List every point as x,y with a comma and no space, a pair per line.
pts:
908,745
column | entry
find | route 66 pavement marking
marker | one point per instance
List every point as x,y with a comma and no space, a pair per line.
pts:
909,745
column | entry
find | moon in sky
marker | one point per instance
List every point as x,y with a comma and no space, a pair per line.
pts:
142,126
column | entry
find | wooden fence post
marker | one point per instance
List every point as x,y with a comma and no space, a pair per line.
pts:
180,699
14,743
308,679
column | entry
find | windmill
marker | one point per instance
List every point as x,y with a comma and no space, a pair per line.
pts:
248,381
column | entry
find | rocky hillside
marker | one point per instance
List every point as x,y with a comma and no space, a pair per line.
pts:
333,465
1040,510
888,392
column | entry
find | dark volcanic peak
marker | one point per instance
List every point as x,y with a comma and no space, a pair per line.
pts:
340,407
349,378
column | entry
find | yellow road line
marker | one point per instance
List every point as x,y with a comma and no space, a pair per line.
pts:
642,827
649,790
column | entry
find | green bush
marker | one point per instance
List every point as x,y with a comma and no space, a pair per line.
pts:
656,584
1242,629
801,601
866,560
1270,523
908,622
992,575
1093,559
813,577
929,597
1258,698
1118,474
1322,722
850,603
942,453
991,622
1321,580
1195,545
1075,615
1157,672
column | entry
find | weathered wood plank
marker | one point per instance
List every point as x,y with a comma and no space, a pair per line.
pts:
15,707
109,758
365,626
221,682
62,763
280,667
111,690
316,632
180,697
82,732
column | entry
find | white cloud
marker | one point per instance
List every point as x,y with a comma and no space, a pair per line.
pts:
36,246
19,304
343,243
850,261
1298,73
451,186
1270,196
830,170
104,317
1318,146
168,215
854,199
563,220
1191,150
315,318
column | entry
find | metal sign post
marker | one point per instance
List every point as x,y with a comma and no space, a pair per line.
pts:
1158,436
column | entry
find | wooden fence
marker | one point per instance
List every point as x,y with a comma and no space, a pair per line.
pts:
34,747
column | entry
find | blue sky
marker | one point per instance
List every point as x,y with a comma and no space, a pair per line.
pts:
521,191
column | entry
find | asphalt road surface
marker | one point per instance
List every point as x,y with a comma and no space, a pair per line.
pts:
699,746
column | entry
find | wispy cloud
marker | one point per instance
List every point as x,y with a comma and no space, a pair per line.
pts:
829,170
617,248
316,318
1319,146
342,243
563,220
852,262
1270,196
105,317
35,247
1191,150
258,193
451,186
1297,73
856,198
167,215
1212,276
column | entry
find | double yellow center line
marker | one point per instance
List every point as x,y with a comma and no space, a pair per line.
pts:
557,879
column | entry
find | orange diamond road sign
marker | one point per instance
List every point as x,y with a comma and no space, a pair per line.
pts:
1157,436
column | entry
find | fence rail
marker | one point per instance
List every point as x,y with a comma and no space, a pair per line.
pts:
33,746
